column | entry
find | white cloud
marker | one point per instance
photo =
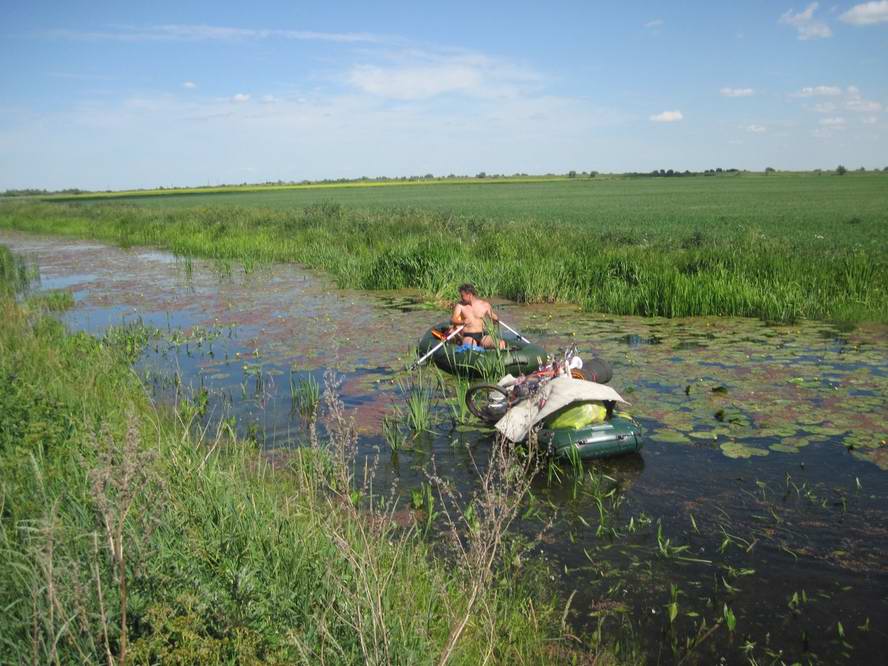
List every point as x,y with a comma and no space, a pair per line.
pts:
756,129
870,120
867,13
198,33
417,75
805,24
820,91
415,82
190,85
863,106
269,99
667,117
737,92
825,107
532,132
240,98
656,23
835,122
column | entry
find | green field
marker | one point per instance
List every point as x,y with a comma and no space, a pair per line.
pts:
779,247
783,205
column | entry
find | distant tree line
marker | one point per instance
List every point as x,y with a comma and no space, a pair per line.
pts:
656,173
674,173
31,192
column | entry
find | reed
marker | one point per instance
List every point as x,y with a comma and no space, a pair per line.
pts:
799,268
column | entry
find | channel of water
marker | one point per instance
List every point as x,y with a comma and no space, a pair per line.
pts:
765,446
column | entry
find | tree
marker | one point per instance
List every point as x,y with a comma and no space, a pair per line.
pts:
841,171
592,174
769,169
571,174
481,175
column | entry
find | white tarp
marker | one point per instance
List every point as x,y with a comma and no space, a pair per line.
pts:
552,396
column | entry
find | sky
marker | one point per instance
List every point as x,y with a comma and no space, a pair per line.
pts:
113,95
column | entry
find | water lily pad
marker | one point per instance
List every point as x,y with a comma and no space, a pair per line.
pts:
701,434
738,450
864,440
783,448
797,442
826,431
671,437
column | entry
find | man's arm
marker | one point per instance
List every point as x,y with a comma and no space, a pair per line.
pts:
492,314
457,317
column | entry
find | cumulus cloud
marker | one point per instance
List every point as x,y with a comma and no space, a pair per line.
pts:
806,26
820,91
656,23
835,122
240,98
756,129
867,13
870,120
737,92
190,85
667,117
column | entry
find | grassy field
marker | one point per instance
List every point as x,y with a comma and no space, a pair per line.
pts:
126,538
785,205
778,247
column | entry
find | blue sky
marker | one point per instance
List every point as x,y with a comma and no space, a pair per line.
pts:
110,95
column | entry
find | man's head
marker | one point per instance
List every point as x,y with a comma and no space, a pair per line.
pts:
467,293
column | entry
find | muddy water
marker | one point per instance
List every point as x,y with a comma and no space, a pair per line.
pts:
761,489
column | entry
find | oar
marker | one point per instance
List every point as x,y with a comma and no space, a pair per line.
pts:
436,347
505,325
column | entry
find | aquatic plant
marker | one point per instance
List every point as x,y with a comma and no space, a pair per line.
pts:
130,338
454,391
391,431
418,396
52,301
15,273
305,396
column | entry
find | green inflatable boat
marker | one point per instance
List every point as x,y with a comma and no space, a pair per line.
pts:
518,358
616,436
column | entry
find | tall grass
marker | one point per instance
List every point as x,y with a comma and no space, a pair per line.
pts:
124,539
678,272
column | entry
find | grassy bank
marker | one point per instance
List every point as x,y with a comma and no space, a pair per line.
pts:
126,537
679,270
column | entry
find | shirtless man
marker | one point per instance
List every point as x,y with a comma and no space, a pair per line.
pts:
471,312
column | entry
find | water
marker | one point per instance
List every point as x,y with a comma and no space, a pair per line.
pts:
764,460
